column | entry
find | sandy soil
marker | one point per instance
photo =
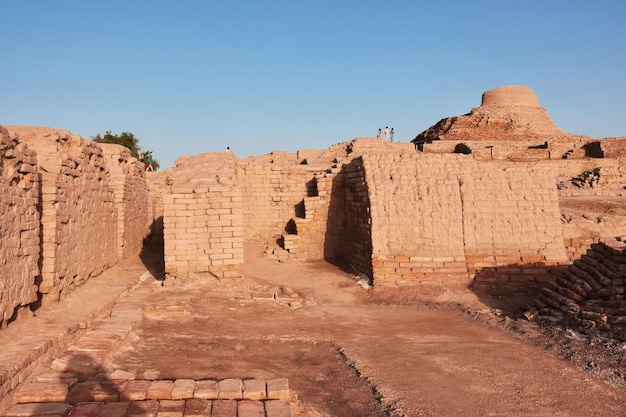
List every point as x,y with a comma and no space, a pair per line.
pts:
348,351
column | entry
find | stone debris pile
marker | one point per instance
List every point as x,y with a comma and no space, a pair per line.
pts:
590,297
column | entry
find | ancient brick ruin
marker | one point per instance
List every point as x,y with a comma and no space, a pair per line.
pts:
70,210
590,296
483,196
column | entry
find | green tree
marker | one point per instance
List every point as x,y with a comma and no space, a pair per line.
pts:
128,140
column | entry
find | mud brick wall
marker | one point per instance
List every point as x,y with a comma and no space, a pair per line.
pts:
19,226
79,217
416,217
273,191
322,229
130,190
156,189
514,150
203,219
445,217
358,231
511,217
614,147
591,296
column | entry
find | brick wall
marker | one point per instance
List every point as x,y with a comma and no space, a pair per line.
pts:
514,150
130,191
272,191
156,189
444,217
358,231
79,217
590,296
203,219
19,227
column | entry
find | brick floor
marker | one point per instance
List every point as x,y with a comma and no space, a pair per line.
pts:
76,386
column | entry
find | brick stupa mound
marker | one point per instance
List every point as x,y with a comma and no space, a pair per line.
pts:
508,113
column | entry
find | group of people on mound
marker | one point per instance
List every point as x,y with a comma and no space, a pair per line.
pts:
388,134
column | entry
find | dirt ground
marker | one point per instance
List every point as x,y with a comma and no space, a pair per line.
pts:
349,351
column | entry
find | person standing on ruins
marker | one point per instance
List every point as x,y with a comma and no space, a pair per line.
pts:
387,133
391,135
380,134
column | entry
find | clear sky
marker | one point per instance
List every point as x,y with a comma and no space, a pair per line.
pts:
192,76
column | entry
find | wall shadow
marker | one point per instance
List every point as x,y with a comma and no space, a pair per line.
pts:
153,252
336,224
512,289
88,388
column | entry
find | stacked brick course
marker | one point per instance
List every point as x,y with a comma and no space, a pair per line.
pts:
79,218
20,248
591,296
203,219
156,189
444,217
271,188
358,233
131,199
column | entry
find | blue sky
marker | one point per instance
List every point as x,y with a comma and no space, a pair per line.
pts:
189,77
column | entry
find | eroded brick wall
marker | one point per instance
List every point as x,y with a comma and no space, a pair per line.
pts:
272,190
156,190
358,232
130,190
446,217
589,296
19,227
78,213
203,219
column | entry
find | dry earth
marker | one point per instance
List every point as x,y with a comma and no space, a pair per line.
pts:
348,351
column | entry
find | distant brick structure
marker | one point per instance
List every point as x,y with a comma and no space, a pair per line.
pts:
510,126
130,190
203,219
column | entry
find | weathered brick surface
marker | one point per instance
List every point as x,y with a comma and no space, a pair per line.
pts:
19,217
79,217
130,190
590,296
203,219
301,201
443,217
156,189
271,188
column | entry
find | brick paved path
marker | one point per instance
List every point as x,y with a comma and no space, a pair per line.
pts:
73,347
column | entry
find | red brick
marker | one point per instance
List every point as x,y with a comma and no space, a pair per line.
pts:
224,408
250,408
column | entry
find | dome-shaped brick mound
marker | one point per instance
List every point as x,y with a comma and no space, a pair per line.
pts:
508,113
510,95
